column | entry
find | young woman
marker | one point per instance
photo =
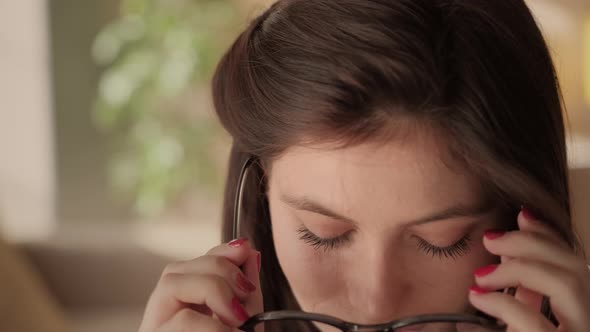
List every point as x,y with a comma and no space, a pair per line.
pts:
409,159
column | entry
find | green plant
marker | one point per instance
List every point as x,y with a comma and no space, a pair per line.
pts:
158,57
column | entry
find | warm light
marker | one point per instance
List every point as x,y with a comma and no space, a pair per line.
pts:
587,60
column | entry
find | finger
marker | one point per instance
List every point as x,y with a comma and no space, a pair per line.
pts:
210,290
189,320
201,308
569,293
516,315
529,297
236,251
220,266
528,221
532,246
254,302
522,294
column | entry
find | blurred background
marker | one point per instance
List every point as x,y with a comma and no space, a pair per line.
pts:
113,163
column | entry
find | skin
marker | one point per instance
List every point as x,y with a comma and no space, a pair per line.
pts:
376,193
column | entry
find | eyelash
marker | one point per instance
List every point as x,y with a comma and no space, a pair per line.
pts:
320,243
453,251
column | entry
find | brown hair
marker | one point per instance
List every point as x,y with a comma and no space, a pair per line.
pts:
346,70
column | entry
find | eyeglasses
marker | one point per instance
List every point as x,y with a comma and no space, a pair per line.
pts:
287,320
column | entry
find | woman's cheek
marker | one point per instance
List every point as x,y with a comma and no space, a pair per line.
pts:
315,276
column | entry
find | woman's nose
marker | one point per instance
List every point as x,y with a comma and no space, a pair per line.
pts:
382,288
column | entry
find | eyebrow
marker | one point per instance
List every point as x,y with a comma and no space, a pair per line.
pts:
456,211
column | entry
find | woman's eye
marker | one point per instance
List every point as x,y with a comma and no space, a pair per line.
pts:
453,251
323,243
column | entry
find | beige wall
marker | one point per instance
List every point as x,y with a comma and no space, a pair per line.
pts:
26,133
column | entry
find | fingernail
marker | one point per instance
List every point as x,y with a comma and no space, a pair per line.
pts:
478,290
484,271
528,215
258,260
244,284
237,242
493,234
239,309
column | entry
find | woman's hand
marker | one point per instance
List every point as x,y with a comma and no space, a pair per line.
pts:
209,293
539,263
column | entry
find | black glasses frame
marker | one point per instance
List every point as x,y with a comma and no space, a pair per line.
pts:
289,315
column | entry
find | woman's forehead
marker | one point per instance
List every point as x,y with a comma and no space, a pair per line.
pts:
399,177
419,158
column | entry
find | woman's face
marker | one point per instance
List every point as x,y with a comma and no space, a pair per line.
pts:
376,232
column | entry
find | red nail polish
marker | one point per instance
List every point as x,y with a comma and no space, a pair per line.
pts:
493,234
478,290
244,284
258,260
528,215
239,309
237,242
484,271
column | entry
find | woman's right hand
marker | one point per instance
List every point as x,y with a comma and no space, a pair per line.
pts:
214,292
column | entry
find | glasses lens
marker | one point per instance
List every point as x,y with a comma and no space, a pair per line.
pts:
448,327
293,326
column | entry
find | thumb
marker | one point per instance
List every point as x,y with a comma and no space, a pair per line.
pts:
254,303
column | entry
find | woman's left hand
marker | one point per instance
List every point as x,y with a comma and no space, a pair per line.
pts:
540,263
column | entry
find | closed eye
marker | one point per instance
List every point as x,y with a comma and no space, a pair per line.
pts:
325,244
453,251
